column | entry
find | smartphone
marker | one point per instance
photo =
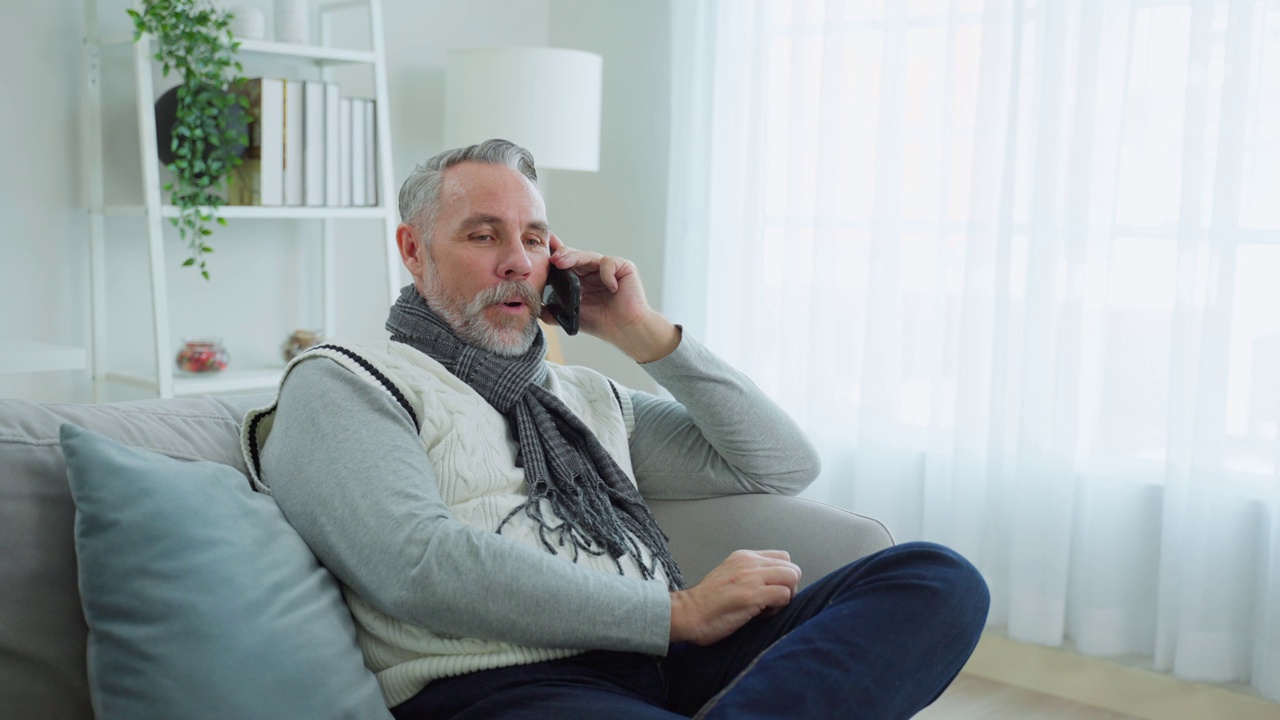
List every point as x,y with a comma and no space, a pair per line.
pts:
563,296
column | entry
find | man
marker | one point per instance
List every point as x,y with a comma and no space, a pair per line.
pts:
484,510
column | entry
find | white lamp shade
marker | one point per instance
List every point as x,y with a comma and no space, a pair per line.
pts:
546,100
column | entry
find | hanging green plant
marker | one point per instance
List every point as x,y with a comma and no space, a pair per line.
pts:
210,118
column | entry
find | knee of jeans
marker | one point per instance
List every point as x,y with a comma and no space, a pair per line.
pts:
963,585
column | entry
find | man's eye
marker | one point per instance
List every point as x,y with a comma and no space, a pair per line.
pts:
485,238
536,241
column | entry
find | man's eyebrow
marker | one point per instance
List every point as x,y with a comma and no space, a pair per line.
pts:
475,220
537,225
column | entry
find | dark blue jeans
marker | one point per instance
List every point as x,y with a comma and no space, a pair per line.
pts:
880,638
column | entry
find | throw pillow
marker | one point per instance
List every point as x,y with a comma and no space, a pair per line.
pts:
201,600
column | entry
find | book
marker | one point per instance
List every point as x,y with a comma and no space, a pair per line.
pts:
332,106
359,165
370,154
294,154
260,178
344,152
313,141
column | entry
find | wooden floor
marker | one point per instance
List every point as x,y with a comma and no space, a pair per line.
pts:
973,698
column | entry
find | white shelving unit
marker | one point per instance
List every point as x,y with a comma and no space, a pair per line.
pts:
18,356
165,380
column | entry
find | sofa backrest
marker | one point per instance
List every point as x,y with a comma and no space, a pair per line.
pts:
42,630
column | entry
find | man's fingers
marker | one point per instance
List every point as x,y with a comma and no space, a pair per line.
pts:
770,567
579,260
787,576
607,267
776,554
609,273
766,558
778,596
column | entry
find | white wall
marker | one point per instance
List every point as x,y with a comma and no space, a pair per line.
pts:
620,210
256,297
43,271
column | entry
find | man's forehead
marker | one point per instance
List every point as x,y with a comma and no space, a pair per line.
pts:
492,190
473,176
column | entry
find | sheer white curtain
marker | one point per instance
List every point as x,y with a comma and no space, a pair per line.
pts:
1015,264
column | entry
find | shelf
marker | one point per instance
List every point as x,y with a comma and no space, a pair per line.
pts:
266,49
259,212
226,381
326,61
29,356
312,53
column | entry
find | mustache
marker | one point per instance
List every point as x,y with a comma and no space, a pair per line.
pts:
501,293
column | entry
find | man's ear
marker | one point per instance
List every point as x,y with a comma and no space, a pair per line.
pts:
412,250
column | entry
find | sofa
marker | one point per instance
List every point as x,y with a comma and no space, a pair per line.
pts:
46,654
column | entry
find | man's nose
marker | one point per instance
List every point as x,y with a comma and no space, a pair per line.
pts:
515,262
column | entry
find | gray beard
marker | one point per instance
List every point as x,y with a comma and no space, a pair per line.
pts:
468,320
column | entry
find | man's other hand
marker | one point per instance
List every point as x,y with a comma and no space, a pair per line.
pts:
747,584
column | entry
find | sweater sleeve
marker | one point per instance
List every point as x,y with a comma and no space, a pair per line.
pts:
720,436
351,475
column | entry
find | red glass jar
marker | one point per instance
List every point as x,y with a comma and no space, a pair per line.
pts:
202,355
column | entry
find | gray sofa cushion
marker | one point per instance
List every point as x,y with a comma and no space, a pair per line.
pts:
42,630
201,599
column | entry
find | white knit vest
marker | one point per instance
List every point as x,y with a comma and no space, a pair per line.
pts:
473,455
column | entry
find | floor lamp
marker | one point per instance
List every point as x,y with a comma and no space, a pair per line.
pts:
546,100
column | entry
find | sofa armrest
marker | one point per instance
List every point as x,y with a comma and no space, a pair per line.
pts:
820,538
42,629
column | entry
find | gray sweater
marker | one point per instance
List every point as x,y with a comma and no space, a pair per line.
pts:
350,474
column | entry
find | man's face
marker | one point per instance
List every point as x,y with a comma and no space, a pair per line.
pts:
487,257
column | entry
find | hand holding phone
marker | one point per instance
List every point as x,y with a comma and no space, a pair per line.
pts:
563,297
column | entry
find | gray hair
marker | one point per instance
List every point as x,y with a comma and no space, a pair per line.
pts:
420,193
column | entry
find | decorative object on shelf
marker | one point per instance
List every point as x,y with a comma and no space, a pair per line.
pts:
299,341
167,121
202,355
194,38
248,23
291,22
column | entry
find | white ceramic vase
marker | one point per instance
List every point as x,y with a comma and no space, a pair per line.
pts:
291,22
248,23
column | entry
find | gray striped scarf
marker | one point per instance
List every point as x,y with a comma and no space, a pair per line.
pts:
597,509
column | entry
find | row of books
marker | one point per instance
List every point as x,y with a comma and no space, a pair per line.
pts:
308,146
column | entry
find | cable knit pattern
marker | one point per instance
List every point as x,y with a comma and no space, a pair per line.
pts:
474,457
